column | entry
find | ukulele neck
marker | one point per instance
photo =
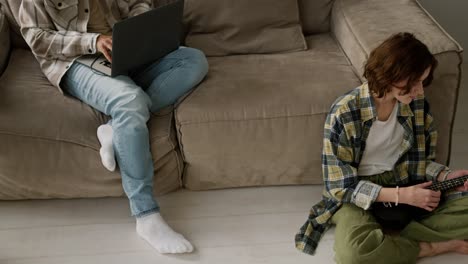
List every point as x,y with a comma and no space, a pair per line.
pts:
448,184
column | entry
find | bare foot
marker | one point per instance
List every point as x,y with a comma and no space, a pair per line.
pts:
437,248
462,247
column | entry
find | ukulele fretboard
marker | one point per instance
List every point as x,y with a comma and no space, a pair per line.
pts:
448,184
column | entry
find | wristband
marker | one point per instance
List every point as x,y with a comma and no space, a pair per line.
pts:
447,172
397,195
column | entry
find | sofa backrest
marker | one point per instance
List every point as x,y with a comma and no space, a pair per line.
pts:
315,15
4,42
11,10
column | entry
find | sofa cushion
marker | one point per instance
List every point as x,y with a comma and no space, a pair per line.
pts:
360,26
258,119
222,27
360,31
315,15
49,144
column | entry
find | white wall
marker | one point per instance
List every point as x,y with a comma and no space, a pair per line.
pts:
452,15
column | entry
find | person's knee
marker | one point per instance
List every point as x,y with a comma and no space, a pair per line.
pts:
358,235
197,62
351,257
360,245
131,106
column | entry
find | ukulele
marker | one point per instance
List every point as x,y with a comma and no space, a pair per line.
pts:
448,184
397,217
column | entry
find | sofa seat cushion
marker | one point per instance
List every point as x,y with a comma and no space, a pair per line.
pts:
49,144
258,119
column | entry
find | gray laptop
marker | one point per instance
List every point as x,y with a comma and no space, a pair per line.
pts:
140,40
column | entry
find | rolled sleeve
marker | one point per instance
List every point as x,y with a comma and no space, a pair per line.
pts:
138,7
92,44
433,170
365,194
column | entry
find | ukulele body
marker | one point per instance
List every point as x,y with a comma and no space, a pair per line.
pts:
393,217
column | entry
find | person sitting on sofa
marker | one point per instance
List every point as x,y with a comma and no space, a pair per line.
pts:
60,31
377,137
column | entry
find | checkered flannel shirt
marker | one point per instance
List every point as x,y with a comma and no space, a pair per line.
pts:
346,130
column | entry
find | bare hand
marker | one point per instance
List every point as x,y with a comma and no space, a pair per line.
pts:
418,196
104,45
456,174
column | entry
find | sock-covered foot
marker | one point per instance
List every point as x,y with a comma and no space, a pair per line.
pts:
160,236
104,134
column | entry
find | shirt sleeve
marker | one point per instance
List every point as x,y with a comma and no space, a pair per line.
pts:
339,167
137,7
433,168
45,41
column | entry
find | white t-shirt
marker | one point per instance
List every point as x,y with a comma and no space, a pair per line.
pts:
382,146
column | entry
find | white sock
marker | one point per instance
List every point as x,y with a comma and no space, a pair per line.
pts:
104,134
160,236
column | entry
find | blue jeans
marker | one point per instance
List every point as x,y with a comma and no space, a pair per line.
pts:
129,101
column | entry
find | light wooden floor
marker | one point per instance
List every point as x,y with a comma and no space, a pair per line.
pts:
251,225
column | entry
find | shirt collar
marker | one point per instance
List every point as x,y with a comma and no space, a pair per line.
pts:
367,105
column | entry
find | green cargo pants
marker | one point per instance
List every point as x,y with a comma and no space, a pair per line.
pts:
360,239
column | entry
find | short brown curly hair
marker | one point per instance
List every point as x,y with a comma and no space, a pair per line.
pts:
398,58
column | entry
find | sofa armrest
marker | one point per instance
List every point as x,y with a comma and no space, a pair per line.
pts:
4,42
361,25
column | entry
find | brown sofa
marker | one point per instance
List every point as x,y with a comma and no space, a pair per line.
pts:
257,119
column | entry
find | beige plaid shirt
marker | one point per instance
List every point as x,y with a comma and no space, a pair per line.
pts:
56,30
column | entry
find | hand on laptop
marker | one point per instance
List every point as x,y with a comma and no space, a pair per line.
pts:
104,45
